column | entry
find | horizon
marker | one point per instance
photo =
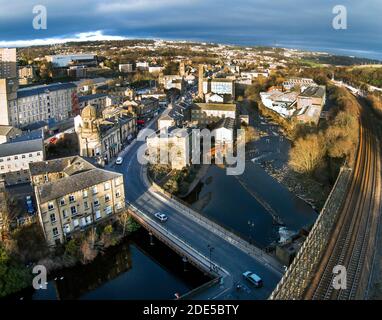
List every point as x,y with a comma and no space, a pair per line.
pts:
296,24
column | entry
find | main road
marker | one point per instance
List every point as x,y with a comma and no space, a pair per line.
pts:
225,254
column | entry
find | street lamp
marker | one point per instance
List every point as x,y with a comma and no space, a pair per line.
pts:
211,248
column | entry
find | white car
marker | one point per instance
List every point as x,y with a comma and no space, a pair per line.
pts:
253,278
161,216
119,160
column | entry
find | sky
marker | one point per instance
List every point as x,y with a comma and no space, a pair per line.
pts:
304,24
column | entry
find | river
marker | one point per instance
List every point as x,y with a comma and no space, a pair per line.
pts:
133,269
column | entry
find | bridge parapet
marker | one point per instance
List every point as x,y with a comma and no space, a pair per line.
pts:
300,273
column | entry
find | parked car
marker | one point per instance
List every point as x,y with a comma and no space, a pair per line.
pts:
253,278
119,160
161,216
29,203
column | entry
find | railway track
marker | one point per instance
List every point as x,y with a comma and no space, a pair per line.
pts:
352,241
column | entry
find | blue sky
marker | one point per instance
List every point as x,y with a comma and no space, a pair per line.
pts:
292,23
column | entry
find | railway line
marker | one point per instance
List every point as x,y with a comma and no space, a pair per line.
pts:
353,239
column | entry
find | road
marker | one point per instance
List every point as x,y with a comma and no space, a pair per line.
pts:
226,255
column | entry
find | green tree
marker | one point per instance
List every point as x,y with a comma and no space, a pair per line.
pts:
13,276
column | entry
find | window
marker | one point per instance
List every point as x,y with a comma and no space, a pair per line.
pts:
76,223
16,157
118,194
86,205
98,214
62,202
89,220
52,218
65,213
55,232
107,186
96,203
67,228
95,190
50,206
85,193
107,197
118,206
83,222
108,210
23,156
30,155
72,198
73,210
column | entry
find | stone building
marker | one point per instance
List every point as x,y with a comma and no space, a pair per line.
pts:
72,195
104,136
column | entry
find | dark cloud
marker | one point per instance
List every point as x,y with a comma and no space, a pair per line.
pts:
301,23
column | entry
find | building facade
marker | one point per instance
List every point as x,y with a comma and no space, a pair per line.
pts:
17,154
104,137
208,113
73,195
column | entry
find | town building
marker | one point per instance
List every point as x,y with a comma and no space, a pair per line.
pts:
283,103
143,107
171,146
27,74
8,63
310,104
41,103
208,113
103,137
126,67
7,133
66,60
17,154
303,83
99,100
224,132
222,86
72,195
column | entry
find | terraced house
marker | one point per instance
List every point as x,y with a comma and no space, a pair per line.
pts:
72,195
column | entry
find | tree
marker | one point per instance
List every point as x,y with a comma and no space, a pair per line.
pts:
13,276
306,154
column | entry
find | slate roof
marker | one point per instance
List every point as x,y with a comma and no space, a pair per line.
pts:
57,189
35,90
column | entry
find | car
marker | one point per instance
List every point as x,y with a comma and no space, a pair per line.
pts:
253,278
29,203
119,160
161,216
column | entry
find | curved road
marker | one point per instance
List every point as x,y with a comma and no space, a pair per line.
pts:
226,255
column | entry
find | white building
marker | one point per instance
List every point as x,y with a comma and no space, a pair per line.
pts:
126,67
171,147
16,155
64,60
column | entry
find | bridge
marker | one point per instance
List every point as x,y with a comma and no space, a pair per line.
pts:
344,234
203,243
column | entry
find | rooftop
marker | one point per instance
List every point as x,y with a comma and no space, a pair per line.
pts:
314,91
216,106
22,144
76,182
35,90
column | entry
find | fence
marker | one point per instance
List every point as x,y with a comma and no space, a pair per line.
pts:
217,229
299,274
